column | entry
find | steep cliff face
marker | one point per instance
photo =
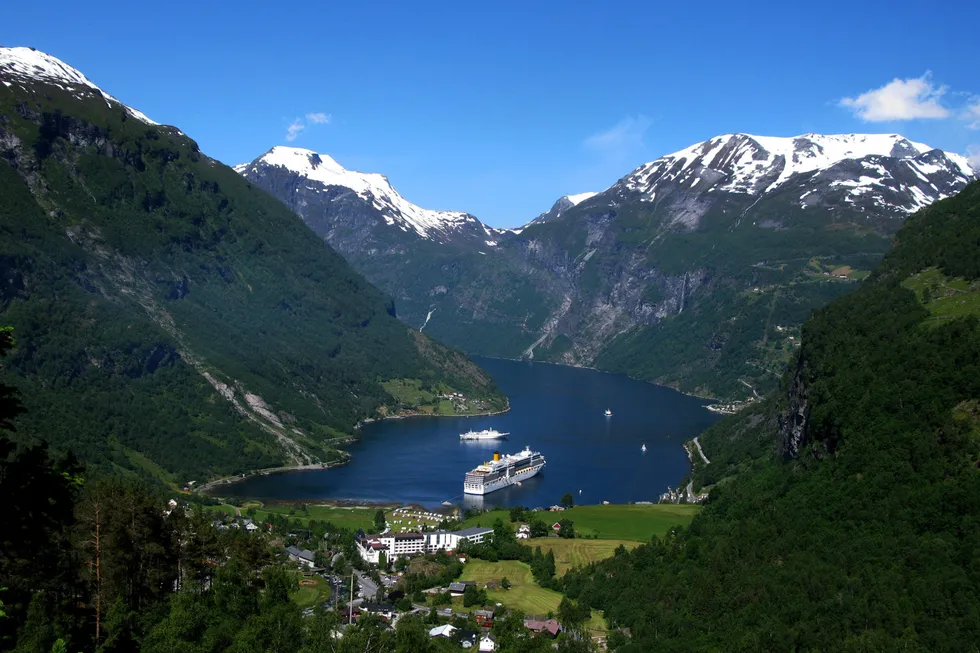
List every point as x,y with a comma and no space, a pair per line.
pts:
791,434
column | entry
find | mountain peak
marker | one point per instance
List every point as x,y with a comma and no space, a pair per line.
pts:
564,203
301,161
21,64
371,187
756,165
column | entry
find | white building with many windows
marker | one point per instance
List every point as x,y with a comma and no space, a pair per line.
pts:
397,545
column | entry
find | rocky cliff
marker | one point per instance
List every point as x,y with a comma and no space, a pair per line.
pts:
695,270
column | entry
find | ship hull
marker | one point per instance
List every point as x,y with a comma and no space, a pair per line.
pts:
502,482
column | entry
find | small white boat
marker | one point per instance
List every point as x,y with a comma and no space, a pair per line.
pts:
643,448
608,413
485,434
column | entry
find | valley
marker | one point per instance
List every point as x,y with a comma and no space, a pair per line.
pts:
735,385
695,270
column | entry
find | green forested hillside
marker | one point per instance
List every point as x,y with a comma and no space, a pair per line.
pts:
172,320
844,512
737,330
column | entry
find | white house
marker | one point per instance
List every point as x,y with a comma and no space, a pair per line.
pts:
488,643
445,630
523,532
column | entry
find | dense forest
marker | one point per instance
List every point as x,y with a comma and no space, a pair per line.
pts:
843,511
174,322
103,564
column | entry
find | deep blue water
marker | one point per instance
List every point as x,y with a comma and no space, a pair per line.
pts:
556,410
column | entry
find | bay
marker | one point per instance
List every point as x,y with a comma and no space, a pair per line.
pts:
555,409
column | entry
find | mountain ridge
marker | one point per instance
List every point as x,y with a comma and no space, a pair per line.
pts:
24,64
839,509
694,258
761,165
373,188
174,321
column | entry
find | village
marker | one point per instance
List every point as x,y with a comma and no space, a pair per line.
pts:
460,578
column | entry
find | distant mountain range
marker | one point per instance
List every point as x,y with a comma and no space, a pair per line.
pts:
694,270
171,320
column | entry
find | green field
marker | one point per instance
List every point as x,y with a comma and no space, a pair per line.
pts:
637,523
945,297
312,591
524,594
352,518
413,397
578,552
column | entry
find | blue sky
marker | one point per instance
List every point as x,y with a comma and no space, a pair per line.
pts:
500,108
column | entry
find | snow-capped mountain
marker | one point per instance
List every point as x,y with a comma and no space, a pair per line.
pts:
24,67
872,172
660,275
564,203
323,186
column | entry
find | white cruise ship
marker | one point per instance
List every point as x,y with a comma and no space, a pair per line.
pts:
485,434
503,471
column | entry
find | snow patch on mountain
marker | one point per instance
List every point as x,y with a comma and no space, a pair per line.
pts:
578,198
371,187
758,165
28,64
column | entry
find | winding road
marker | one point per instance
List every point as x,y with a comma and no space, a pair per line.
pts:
701,451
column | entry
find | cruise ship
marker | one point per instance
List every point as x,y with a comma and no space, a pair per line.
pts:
503,471
485,434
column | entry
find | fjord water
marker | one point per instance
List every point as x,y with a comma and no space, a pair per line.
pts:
556,410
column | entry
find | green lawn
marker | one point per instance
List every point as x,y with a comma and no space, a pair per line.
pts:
312,591
409,519
637,523
578,552
524,594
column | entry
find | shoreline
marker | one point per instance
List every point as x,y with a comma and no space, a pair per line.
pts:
370,420
716,400
206,488
225,481
716,407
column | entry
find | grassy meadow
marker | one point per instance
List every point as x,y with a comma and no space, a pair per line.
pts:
578,552
524,595
637,523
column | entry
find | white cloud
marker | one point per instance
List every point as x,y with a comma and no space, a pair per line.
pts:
900,99
318,118
297,126
625,135
973,155
294,130
971,114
